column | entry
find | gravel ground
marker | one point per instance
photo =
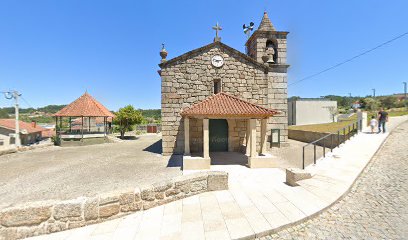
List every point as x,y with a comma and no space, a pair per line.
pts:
375,208
70,172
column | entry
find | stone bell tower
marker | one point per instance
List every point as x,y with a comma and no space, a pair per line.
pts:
266,45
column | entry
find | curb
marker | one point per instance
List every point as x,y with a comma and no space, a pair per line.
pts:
341,197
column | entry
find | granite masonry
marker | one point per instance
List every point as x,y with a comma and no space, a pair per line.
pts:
37,218
258,77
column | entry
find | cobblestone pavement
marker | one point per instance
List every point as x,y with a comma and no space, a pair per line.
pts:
375,208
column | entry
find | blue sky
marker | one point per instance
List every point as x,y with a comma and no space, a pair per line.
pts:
52,51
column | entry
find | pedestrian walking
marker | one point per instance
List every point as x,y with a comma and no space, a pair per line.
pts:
373,123
382,119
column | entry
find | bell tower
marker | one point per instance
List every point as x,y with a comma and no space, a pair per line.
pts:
266,45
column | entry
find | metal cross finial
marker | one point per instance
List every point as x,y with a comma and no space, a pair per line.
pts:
217,28
162,45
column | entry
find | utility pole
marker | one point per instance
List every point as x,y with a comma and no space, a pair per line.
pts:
373,92
405,90
15,95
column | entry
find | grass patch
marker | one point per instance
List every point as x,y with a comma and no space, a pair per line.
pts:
324,127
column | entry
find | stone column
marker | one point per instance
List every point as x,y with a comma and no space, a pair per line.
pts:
186,136
252,124
263,135
362,120
248,138
206,139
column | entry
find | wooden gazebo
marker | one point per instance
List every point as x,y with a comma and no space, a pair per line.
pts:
84,121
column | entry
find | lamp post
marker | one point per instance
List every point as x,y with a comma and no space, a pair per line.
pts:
15,95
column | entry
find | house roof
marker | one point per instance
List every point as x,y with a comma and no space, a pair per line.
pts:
225,105
84,106
24,126
266,24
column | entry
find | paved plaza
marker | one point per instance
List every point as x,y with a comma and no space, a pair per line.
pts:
70,172
258,202
375,208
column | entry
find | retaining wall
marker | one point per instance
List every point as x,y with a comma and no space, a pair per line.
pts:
44,217
308,136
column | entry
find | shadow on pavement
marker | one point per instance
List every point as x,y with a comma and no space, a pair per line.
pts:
155,147
175,161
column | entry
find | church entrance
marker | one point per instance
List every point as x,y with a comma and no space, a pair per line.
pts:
218,135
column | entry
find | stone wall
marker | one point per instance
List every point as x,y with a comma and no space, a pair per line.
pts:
308,137
188,81
44,217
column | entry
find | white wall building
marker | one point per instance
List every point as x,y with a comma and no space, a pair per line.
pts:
311,111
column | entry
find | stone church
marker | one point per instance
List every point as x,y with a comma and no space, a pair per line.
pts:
218,99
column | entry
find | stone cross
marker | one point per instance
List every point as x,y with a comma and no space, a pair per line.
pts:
217,28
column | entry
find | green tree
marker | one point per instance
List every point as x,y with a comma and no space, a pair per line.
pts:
371,104
388,101
3,114
126,118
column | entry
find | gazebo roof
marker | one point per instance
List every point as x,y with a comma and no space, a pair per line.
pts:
84,106
225,105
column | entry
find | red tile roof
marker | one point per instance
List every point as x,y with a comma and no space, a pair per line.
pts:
28,127
225,105
84,106
48,133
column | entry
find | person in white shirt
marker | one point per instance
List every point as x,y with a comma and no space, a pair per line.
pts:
373,123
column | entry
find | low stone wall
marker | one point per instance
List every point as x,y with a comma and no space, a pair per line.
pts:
308,136
25,148
44,217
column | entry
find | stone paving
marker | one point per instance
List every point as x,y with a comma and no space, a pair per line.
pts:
375,208
257,202
70,172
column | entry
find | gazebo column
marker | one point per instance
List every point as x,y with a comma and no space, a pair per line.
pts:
206,139
186,136
263,135
82,129
252,124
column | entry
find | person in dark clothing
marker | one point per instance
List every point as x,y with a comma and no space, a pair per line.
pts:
382,119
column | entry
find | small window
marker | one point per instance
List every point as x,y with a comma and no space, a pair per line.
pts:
217,86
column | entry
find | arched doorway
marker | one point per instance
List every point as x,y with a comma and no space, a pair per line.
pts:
218,135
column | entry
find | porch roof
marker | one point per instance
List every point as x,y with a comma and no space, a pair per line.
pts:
222,105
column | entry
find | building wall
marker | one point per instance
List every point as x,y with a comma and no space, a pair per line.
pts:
25,139
311,112
191,80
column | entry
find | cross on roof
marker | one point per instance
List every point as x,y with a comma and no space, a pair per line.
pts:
217,28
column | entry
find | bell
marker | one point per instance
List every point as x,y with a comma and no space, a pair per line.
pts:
270,61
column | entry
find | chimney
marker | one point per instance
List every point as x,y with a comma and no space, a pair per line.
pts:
33,124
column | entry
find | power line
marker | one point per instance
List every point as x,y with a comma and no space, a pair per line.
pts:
29,105
350,59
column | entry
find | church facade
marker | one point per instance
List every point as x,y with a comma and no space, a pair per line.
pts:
216,98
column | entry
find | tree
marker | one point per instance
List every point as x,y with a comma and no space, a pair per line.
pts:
371,104
3,114
333,112
388,101
126,118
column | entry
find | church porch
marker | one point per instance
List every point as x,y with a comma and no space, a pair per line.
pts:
224,127
243,145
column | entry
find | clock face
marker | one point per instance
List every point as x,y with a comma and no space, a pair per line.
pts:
217,61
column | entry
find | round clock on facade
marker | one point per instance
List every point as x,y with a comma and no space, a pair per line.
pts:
217,61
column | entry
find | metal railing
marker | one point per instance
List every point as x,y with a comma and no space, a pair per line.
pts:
329,140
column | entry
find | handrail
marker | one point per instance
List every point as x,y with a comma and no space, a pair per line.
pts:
356,126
